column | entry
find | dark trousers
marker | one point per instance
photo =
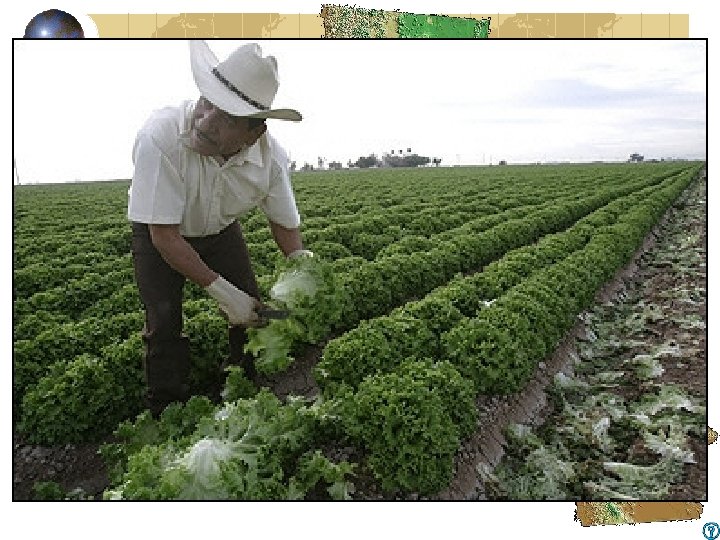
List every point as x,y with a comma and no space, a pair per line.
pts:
167,353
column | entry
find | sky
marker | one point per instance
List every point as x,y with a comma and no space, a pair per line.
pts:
528,90
467,102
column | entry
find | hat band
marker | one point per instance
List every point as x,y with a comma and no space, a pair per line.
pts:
239,92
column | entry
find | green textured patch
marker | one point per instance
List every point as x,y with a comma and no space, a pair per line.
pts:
354,22
437,26
613,514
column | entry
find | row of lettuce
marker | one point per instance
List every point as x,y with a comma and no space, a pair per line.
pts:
86,314
44,362
44,258
400,387
49,212
92,284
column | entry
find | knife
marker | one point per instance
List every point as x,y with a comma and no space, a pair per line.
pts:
268,313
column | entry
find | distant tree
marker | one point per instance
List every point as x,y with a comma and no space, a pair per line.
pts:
414,161
502,162
293,165
635,158
392,160
321,162
307,167
335,165
367,161
408,160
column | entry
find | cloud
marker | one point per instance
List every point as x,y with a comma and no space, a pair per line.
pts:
679,124
576,93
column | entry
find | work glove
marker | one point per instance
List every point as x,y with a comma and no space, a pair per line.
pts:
299,253
236,304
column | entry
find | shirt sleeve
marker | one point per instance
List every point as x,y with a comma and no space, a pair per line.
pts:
279,204
157,191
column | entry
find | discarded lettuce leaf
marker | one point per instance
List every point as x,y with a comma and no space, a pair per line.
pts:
669,397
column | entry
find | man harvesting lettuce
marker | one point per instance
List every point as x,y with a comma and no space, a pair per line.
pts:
197,168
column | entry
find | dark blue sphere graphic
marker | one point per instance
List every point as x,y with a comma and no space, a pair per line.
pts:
54,23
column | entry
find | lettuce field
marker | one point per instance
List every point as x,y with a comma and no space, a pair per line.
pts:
436,290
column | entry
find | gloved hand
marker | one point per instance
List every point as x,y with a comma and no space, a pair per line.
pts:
236,304
300,253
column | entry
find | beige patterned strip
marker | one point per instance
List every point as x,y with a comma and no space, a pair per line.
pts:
282,25
607,513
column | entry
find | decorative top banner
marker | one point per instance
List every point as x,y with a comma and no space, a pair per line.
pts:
343,22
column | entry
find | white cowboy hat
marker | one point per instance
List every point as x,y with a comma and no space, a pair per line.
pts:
244,84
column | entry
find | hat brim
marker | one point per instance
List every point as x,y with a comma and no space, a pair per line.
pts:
202,61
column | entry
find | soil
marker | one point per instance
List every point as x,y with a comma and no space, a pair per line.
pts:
80,466
72,466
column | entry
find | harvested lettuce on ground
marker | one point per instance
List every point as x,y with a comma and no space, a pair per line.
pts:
248,449
670,443
198,470
646,366
544,476
535,471
669,397
637,482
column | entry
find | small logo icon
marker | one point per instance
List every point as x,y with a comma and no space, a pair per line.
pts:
54,23
711,530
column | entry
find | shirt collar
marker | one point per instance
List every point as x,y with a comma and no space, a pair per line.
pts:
252,154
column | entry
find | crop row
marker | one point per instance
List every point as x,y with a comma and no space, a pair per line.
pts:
108,251
473,200
493,345
42,254
375,286
40,236
365,237
59,388
371,345
441,246
110,319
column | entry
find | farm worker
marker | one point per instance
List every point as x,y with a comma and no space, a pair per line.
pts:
197,167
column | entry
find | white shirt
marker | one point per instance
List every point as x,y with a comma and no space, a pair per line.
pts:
172,184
